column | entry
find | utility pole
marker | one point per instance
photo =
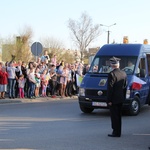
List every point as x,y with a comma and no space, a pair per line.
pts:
108,31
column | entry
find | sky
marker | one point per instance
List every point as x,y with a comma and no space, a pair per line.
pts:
49,18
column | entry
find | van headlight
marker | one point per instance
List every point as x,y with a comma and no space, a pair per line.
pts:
81,92
128,94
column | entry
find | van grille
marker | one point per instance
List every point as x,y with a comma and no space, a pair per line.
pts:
90,92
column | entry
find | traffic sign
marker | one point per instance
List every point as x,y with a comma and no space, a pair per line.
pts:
36,48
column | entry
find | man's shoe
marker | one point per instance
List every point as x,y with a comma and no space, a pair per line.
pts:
113,135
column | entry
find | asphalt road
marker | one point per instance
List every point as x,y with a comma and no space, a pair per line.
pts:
60,125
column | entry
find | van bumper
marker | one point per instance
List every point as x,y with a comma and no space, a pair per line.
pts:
92,103
89,103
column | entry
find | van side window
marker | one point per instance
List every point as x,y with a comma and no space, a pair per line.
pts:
95,65
142,68
148,63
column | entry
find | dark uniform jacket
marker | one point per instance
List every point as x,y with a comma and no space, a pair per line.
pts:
116,86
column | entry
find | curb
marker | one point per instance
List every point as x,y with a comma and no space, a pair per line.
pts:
40,99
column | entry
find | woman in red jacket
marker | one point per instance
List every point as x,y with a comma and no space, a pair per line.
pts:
3,82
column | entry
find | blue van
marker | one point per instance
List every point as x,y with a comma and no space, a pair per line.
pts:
135,61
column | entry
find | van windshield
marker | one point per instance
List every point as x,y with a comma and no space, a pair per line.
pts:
102,65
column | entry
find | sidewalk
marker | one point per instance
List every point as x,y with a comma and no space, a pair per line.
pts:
40,99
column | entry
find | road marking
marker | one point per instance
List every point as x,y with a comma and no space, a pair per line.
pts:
18,149
5,140
142,134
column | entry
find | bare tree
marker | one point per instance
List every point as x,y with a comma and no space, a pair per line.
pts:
19,46
52,45
56,47
7,46
83,32
22,45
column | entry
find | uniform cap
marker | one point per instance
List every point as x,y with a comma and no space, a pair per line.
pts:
114,60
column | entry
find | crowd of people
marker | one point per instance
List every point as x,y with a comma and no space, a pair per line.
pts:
45,77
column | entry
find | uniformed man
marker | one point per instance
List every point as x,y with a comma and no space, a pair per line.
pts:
116,95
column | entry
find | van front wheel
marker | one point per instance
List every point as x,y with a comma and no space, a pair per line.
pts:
134,106
86,109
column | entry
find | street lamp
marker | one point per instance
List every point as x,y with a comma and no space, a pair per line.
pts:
108,32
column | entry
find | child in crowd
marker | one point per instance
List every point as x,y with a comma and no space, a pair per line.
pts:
21,84
38,82
3,82
44,83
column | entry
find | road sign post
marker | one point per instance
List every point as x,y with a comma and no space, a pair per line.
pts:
36,49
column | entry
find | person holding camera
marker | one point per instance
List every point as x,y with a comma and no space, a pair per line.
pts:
45,58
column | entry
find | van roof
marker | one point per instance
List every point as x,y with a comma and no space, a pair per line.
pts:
123,49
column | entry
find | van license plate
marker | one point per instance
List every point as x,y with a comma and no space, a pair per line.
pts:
103,104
